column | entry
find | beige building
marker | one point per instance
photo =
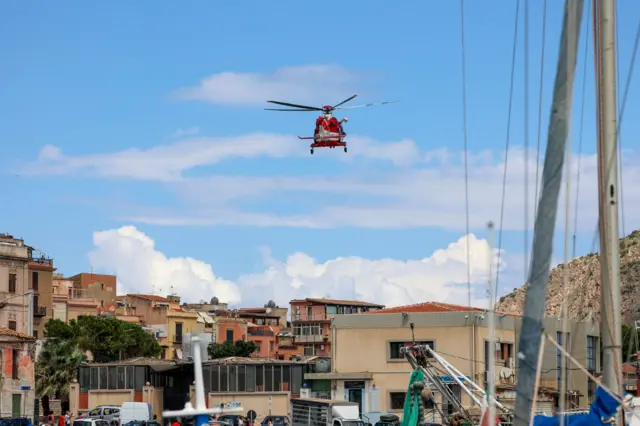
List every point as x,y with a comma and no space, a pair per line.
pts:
25,286
368,368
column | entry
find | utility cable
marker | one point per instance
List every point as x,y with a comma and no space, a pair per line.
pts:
526,140
506,149
464,137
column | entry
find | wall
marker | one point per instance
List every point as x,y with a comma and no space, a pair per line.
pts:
143,308
110,397
223,324
370,334
189,324
26,376
44,276
98,286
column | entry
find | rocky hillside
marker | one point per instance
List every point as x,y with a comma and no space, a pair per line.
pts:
584,286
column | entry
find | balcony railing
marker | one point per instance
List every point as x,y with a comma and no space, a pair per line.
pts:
41,261
311,317
314,338
79,293
40,311
260,332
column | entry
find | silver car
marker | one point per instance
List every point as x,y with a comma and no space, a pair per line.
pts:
108,413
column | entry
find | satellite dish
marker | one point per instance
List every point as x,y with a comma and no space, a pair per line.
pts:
268,310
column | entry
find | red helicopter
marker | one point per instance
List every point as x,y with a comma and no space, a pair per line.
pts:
329,132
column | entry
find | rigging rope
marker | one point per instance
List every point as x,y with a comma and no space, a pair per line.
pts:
464,137
506,149
619,133
536,194
580,138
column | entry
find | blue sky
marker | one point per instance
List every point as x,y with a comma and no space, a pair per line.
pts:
95,80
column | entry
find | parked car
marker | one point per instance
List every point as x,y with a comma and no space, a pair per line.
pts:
276,421
90,422
231,419
110,413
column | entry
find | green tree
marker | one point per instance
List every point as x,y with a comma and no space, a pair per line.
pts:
228,349
56,367
109,339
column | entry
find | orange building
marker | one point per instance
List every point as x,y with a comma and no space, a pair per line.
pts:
311,320
262,329
97,286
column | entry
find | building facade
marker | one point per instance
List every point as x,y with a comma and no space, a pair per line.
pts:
311,320
165,318
17,391
25,286
366,355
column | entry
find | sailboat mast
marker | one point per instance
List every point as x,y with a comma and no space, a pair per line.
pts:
534,303
610,300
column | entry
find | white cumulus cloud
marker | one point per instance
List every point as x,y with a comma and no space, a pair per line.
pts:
307,84
169,161
142,268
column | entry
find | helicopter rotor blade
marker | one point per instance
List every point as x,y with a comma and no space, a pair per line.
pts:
284,109
369,104
296,106
345,101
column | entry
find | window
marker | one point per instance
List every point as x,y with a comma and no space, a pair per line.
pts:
229,335
395,346
396,400
332,310
15,362
307,330
178,337
13,279
95,412
35,333
13,326
559,356
591,353
34,280
309,312
309,350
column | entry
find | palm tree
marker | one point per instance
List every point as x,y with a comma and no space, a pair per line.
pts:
57,366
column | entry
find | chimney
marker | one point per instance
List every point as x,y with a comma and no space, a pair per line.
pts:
173,298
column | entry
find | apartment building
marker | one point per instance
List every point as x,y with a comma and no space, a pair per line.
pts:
366,355
262,329
311,320
165,318
25,286
17,387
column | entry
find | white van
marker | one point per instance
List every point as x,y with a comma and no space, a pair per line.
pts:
135,411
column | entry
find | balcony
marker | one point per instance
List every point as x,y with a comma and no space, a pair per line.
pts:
41,261
314,338
311,317
40,311
78,294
